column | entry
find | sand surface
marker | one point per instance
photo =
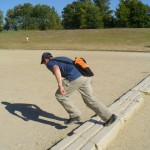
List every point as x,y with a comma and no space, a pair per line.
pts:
135,133
31,118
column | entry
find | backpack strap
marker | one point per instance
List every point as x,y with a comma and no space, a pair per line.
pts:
66,62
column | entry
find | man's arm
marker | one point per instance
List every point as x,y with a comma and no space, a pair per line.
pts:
58,77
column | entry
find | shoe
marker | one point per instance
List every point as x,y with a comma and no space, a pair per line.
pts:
110,120
72,120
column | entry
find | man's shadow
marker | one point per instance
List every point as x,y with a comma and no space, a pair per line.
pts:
32,112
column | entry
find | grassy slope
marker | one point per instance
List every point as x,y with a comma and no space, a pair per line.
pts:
100,39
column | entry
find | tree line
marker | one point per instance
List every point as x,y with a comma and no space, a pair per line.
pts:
80,14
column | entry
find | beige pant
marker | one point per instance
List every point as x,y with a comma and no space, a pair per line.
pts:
84,86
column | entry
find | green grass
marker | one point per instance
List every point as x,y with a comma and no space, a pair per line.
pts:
98,39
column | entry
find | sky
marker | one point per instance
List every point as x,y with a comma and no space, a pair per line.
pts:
58,4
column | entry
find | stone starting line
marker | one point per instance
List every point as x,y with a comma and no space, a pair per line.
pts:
92,135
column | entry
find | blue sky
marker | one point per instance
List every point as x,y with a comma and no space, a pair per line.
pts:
58,4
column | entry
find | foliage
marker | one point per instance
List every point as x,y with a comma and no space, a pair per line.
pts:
105,11
133,13
1,21
29,17
81,15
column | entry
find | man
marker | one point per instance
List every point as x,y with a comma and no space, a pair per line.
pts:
27,39
70,79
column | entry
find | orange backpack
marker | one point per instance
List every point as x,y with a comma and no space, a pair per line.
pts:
82,66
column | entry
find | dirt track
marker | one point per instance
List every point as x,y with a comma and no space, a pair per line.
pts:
24,81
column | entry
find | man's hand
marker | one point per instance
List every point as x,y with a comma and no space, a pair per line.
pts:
62,90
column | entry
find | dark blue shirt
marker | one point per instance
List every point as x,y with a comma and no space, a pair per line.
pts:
68,71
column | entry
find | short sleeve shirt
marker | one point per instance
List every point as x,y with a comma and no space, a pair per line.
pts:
68,71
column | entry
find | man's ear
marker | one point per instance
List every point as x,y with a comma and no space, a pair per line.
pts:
46,60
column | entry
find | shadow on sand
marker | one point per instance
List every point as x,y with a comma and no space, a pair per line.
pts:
147,46
33,112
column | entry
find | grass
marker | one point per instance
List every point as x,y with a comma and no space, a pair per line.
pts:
97,39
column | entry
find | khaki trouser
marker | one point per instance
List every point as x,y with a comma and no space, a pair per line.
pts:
84,86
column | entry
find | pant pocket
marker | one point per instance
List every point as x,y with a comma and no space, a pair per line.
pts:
65,83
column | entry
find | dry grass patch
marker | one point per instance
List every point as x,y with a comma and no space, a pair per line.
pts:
97,39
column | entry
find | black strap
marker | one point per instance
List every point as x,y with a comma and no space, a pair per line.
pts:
66,62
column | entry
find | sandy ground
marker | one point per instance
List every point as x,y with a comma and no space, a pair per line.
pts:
31,118
135,133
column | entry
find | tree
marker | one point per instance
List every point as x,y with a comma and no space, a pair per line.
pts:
22,15
122,14
133,13
27,17
139,15
1,20
25,14
81,15
10,20
84,0
105,11
55,21
19,17
46,17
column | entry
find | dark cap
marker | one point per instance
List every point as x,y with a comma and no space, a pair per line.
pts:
45,55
